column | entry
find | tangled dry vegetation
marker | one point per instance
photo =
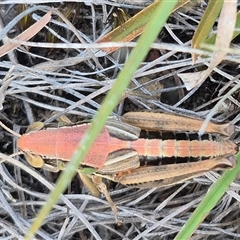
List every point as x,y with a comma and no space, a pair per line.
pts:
54,75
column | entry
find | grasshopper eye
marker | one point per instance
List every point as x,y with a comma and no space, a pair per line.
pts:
35,127
34,160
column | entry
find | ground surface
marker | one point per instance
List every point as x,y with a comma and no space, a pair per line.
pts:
74,82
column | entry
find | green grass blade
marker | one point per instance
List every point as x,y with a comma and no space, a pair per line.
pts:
156,23
211,40
134,26
209,201
206,23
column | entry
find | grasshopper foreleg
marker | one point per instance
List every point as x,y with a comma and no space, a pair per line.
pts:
103,189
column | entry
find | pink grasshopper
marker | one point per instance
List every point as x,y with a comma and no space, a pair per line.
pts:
117,152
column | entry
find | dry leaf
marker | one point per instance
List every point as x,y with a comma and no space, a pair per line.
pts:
26,35
226,26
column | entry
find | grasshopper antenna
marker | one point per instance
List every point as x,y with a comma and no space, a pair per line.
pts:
9,130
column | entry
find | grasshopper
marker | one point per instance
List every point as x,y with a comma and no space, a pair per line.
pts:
122,153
